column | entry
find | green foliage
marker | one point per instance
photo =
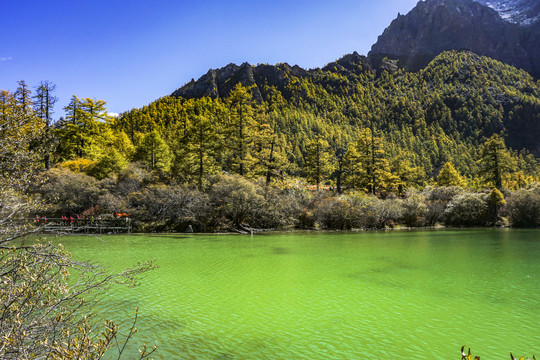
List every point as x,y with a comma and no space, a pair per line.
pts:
449,176
318,161
154,152
495,161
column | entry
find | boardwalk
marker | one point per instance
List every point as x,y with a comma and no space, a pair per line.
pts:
85,226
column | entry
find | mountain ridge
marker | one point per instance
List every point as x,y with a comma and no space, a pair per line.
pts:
434,26
411,41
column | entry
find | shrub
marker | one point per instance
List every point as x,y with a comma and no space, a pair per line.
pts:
78,165
69,193
414,209
436,201
334,213
235,201
280,209
523,208
170,207
371,212
468,210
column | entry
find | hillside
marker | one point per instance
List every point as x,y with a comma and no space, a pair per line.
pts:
441,113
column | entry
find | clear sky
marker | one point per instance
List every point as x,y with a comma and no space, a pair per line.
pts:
131,52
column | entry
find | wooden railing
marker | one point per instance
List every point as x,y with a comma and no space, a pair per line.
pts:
84,226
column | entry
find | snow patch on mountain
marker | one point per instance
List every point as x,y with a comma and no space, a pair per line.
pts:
520,12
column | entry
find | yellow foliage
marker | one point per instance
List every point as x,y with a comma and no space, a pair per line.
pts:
78,165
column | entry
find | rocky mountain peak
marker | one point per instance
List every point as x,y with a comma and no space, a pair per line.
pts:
434,26
520,12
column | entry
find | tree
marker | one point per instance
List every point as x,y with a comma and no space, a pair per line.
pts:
43,105
237,134
197,149
20,131
366,166
449,176
266,148
495,161
23,96
81,127
154,152
318,161
42,311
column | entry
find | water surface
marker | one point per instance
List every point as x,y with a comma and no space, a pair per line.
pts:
381,295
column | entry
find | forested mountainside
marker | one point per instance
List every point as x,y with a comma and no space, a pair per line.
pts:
240,115
504,30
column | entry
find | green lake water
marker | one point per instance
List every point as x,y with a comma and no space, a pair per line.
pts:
379,295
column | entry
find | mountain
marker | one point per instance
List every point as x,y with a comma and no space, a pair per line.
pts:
520,12
508,31
218,83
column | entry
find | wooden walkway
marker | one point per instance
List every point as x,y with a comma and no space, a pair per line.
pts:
85,226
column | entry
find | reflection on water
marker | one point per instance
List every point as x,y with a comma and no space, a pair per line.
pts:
401,295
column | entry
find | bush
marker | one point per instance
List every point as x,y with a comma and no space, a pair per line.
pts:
69,193
334,213
371,212
414,209
170,207
236,202
436,201
468,210
523,208
280,209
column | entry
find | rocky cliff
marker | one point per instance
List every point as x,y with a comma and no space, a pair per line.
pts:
434,26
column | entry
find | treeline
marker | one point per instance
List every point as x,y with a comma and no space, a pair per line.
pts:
231,203
344,129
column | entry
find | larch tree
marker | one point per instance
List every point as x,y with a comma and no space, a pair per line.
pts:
318,160
495,161
267,149
366,165
81,127
195,156
449,176
44,101
237,132
154,152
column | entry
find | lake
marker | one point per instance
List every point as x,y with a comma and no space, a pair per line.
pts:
321,295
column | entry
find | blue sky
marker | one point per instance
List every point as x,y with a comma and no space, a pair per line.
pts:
130,53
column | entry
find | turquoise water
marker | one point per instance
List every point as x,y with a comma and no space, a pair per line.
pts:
380,295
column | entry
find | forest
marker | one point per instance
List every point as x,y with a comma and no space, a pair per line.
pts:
346,147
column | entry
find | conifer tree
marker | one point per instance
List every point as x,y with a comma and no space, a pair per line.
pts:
495,161
81,128
449,176
366,166
318,161
44,108
195,156
154,152
266,148
237,132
